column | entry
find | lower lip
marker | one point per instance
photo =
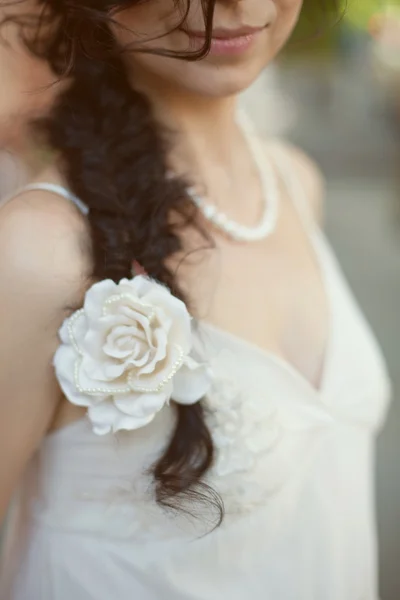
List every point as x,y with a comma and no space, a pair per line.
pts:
229,46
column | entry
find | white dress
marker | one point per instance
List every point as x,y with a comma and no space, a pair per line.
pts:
294,467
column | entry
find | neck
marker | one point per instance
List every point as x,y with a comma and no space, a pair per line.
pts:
209,148
205,127
206,131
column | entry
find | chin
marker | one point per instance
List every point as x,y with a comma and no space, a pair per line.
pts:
207,78
223,82
219,74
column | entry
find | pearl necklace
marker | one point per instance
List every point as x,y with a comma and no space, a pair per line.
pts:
268,221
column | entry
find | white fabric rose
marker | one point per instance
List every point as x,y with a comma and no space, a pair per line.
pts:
126,353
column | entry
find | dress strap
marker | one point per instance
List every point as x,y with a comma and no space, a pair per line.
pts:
54,188
60,190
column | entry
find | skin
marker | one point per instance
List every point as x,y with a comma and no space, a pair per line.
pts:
27,89
280,300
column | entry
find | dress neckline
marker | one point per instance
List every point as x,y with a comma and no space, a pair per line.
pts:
318,246
319,249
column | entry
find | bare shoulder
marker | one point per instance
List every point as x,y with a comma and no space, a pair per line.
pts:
44,270
308,172
44,243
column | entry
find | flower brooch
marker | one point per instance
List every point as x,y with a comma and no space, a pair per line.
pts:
127,352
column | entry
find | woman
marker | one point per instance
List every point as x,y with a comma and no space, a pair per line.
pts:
27,91
229,458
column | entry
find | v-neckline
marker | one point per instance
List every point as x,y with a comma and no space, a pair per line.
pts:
319,391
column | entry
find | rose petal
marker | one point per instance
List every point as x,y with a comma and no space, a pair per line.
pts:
176,311
131,423
139,358
98,365
160,341
95,373
87,381
121,341
100,329
129,307
134,317
127,333
95,336
96,296
64,363
140,286
129,342
74,329
143,405
106,418
191,382
127,345
158,355
163,371
63,332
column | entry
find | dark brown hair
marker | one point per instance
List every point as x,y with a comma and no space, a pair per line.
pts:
113,154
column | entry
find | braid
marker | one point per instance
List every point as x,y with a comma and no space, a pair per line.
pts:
113,154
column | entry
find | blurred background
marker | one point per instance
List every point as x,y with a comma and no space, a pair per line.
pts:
337,95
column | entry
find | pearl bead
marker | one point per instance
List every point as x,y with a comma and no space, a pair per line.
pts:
209,211
230,227
221,220
268,221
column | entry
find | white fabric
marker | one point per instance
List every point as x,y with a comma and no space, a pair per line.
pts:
53,188
294,467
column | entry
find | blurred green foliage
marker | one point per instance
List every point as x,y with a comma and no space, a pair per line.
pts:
318,30
359,12
324,23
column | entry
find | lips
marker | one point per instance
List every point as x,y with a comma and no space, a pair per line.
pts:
220,33
226,41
